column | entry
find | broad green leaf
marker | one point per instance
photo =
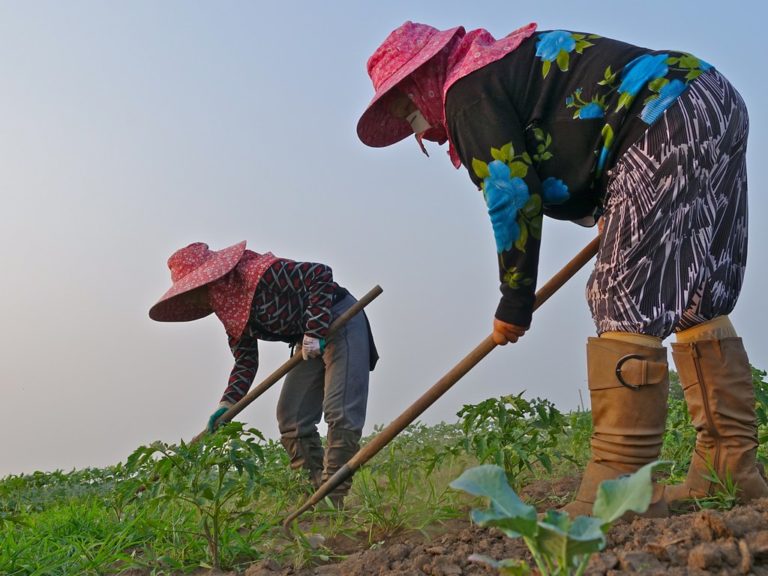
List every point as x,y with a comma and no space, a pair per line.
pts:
692,75
545,68
582,45
518,169
566,540
506,510
586,536
496,154
563,59
507,152
620,495
527,158
689,61
658,84
533,206
480,168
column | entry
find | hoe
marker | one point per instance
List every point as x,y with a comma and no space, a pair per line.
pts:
438,389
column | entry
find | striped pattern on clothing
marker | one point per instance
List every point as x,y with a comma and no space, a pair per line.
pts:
674,243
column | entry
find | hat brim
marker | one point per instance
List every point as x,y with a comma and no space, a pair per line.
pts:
377,127
176,305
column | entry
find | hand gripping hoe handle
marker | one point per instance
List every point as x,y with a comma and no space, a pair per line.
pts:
439,388
292,362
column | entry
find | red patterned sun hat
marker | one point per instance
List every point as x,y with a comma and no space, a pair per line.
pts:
403,51
191,267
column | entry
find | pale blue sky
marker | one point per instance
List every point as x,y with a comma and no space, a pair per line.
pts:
129,129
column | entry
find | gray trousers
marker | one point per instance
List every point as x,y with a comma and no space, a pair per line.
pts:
334,385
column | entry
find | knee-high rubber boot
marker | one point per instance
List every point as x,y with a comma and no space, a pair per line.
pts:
628,387
341,445
717,382
306,452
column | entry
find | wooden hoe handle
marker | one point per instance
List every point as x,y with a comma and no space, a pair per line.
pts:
439,388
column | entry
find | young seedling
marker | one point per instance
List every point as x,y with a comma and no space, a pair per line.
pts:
558,544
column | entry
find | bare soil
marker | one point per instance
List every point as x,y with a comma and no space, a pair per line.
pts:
698,543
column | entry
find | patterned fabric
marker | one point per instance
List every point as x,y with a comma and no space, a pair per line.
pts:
538,128
231,296
191,267
291,299
450,54
674,242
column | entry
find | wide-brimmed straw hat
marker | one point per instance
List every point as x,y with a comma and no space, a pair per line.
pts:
402,52
192,267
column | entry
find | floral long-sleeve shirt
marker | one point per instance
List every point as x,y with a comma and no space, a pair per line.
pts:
539,129
291,299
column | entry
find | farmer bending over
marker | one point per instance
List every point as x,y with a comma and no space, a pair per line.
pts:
650,144
263,297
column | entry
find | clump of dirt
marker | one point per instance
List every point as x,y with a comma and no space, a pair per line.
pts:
733,542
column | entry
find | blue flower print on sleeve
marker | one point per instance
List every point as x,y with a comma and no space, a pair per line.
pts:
551,43
595,108
505,196
557,45
554,191
655,107
638,73
591,110
642,70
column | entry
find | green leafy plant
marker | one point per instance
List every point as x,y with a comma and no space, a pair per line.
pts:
761,409
558,544
679,433
512,432
216,478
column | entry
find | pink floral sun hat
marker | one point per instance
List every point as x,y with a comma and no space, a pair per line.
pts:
402,52
404,55
232,275
192,267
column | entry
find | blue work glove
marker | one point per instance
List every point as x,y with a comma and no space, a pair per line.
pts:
223,407
312,347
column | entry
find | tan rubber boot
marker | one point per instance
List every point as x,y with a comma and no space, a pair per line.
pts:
341,445
306,452
628,387
717,382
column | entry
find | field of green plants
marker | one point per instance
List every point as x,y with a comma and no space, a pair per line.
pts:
220,503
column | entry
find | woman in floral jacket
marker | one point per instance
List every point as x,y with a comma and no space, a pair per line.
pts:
651,146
